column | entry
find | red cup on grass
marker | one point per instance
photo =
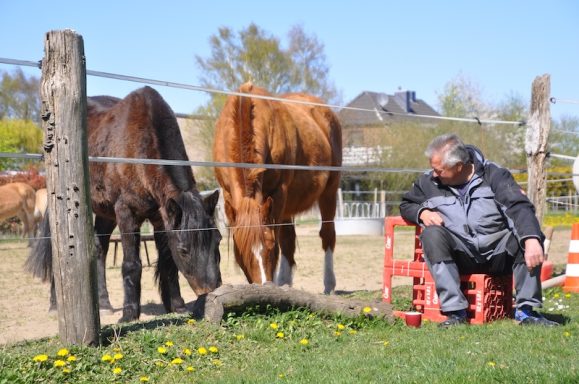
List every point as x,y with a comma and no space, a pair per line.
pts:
413,319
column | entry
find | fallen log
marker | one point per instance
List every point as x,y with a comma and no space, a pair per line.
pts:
237,298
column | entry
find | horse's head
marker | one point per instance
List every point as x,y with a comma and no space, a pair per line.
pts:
254,239
194,239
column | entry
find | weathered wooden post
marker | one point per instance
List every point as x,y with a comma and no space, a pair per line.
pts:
537,136
63,95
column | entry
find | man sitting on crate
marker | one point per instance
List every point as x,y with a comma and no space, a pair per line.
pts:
475,219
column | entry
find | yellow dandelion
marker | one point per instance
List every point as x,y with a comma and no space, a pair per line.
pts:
281,375
71,358
118,356
62,352
279,335
566,333
341,327
239,337
491,363
338,333
567,295
386,343
107,357
556,296
59,363
190,369
66,370
40,358
187,352
367,310
162,350
274,326
304,341
144,379
213,349
191,321
177,361
117,370
216,362
169,343
352,331
202,351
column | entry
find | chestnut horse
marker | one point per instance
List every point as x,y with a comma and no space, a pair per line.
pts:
260,203
17,200
142,125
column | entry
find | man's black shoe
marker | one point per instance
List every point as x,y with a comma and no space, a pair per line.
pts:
454,318
526,316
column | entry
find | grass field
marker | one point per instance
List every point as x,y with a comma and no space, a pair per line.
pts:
303,347
268,346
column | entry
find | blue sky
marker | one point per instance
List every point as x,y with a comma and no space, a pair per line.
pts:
370,44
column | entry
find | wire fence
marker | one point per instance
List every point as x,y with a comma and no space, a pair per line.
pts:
351,208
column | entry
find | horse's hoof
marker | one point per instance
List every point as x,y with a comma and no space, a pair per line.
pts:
181,309
127,319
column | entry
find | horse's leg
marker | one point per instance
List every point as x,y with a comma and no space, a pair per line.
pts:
327,205
131,268
23,216
287,242
167,274
103,229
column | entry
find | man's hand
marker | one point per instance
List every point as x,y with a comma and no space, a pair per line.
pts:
533,253
429,217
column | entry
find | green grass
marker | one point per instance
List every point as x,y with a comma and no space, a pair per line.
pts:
247,348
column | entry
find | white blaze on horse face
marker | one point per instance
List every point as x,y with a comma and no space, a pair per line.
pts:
329,277
284,274
257,254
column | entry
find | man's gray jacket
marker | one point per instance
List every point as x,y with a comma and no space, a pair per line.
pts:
493,216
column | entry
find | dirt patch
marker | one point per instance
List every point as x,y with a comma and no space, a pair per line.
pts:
358,266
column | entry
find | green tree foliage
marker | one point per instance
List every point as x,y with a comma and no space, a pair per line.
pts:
19,96
18,136
255,55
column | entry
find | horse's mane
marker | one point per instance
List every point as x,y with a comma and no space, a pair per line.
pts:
248,142
247,227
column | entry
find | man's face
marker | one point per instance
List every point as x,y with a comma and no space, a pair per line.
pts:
446,175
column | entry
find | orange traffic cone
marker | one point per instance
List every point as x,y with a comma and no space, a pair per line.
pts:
572,270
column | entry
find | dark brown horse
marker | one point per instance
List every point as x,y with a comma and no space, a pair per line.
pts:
260,203
143,126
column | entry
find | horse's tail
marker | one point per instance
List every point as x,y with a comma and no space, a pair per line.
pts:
39,262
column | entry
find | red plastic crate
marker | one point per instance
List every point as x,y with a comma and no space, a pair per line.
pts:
490,298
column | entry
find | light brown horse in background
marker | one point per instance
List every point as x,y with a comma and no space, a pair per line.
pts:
18,200
40,206
260,203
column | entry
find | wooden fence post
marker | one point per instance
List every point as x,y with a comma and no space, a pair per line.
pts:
537,136
63,95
